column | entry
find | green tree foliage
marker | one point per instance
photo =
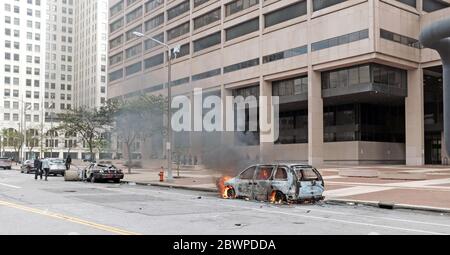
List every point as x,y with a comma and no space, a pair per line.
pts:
89,124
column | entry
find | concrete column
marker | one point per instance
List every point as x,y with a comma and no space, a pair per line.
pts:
227,138
315,118
414,119
265,109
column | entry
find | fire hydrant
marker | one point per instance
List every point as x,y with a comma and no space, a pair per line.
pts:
161,174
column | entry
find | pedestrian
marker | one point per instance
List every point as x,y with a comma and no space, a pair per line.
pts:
46,167
195,160
68,161
37,164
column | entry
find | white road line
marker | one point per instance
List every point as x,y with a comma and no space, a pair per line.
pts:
10,186
307,216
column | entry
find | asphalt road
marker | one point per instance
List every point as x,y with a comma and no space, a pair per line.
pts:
28,206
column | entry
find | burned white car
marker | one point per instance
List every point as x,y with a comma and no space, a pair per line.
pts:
276,183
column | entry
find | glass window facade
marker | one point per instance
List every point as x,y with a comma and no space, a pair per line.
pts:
206,75
178,31
207,41
364,74
321,4
130,33
247,137
149,44
408,41
241,65
285,13
116,8
154,61
116,25
199,2
364,122
154,22
207,18
133,51
239,5
178,10
134,15
134,68
412,3
116,42
286,54
153,4
242,29
340,40
434,5
116,58
293,127
116,75
290,87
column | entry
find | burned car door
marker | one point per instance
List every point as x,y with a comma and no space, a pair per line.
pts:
311,183
283,181
245,182
262,182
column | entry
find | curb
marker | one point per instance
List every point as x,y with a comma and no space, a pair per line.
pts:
388,205
171,186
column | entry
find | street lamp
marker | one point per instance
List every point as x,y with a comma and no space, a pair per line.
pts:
176,50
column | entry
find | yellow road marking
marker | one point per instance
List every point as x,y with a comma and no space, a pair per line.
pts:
69,218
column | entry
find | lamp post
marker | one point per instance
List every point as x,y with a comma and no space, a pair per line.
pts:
176,50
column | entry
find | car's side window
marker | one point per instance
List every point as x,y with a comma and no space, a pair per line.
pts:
309,175
281,174
264,173
248,174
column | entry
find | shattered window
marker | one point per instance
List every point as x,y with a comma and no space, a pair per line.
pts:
309,175
264,173
248,174
281,174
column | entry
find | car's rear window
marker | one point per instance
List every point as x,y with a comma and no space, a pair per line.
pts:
305,173
56,161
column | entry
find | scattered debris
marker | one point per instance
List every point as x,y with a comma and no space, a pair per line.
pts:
308,211
238,224
199,197
132,183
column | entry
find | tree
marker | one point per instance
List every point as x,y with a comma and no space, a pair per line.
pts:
139,118
32,139
12,138
89,124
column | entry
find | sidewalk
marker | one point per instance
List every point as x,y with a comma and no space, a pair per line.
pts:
425,187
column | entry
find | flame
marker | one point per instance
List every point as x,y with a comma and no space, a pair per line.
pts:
272,197
223,190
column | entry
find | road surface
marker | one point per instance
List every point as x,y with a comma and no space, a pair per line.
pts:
28,206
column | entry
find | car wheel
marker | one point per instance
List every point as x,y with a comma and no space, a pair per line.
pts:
116,180
277,197
231,193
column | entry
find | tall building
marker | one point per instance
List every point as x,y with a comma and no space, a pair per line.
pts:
355,85
22,63
59,75
91,32
53,59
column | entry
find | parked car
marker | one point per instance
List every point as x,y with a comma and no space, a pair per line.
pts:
57,166
103,172
277,183
5,163
28,167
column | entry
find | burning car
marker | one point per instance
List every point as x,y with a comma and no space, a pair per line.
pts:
275,183
103,172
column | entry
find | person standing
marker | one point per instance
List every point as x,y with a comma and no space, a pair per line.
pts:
46,167
37,164
68,161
